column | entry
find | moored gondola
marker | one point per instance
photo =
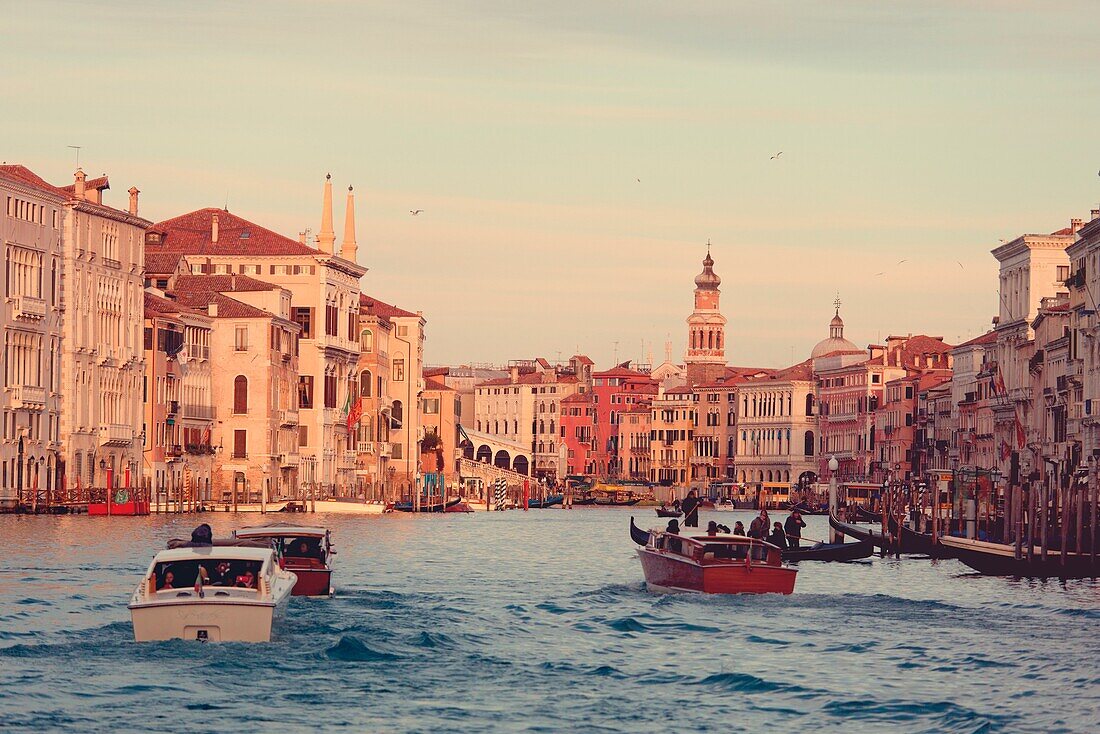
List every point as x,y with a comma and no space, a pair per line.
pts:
661,512
862,514
831,552
548,501
873,537
425,507
998,559
805,509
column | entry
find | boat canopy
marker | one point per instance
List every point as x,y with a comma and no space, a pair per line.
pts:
217,543
281,530
240,552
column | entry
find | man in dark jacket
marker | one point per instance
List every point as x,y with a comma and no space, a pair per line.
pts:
690,506
793,527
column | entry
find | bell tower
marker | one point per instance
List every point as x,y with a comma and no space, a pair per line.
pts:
706,353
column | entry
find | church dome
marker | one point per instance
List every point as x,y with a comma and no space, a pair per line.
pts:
836,341
708,279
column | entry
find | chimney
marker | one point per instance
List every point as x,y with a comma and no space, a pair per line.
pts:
302,237
515,374
233,282
1074,226
133,199
349,246
78,186
326,239
212,309
1094,214
214,228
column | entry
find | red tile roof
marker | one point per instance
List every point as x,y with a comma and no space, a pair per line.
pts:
157,306
27,177
990,337
380,308
620,370
802,371
222,283
98,184
579,397
228,308
191,234
436,371
432,383
162,263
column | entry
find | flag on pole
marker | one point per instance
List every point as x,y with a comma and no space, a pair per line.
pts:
355,413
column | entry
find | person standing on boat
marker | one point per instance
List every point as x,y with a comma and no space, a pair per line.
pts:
739,528
793,526
778,537
690,506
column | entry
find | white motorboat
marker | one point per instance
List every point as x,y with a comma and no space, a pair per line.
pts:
226,592
349,506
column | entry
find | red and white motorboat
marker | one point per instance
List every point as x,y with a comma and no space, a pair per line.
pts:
711,564
307,551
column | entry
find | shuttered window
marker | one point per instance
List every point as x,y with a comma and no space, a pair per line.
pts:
240,395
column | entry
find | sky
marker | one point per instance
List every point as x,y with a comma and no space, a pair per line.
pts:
574,158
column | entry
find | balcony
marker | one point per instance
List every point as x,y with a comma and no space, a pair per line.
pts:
27,397
196,351
289,459
110,262
116,434
288,417
198,412
365,447
1020,394
173,407
173,451
345,461
28,308
199,449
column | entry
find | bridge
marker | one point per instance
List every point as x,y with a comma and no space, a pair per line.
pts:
501,452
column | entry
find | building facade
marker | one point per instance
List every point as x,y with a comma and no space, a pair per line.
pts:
705,360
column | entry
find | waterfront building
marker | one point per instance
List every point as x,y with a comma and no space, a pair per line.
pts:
635,424
1083,379
774,429
1054,396
895,423
372,429
30,312
400,389
102,343
705,360
441,415
324,285
255,381
672,435
1032,267
578,433
935,434
614,392
177,463
463,379
972,393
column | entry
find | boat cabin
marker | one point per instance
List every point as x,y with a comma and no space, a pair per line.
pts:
709,549
225,570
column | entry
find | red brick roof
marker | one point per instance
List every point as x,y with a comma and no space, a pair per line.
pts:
990,337
801,371
228,308
158,306
222,283
620,370
191,234
582,359
579,397
27,177
162,263
98,184
432,383
380,308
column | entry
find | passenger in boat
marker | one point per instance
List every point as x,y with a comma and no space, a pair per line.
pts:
246,580
676,505
168,580
690,506
793,526
778,537
712,528
221,574
739,528
674,544
758,528
202,535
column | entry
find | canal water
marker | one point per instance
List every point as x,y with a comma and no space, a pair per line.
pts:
539,622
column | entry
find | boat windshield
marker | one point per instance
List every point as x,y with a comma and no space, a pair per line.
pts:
216,572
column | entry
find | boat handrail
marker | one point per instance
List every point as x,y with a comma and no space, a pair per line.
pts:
175,543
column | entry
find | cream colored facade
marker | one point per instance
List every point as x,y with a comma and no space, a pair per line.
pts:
406,385
102,341
30,315
672,433
325,304
776,433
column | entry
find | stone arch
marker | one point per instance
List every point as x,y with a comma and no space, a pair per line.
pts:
484,454
808,444
521,465
502,460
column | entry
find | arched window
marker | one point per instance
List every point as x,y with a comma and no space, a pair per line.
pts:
551,426
553,407
809,404
397,414
808,441
240,395
515,427
365,386
366,340
542,426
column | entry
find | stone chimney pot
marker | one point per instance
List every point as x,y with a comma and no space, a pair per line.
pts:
134,200
214,228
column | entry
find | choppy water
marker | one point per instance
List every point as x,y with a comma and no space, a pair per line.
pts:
539,622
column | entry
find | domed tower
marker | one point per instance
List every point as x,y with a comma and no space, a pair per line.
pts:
706,352
836,343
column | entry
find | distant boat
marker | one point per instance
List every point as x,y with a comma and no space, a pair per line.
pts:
999,559
805,509
874,537
306,551
425,507
830,552
864,515
711,564
350,506
555,499
661,512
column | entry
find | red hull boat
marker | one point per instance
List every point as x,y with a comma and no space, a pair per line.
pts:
306,551
712,564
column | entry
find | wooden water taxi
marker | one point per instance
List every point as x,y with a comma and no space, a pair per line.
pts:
305,551
230,591
711,564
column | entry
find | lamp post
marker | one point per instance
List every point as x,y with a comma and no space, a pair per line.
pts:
834,536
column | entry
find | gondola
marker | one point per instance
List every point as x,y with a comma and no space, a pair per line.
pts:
434,507
831,552
614,503
864,515
585,501
548,501
914,542
998,559
639,536
668,513
873,537
805,509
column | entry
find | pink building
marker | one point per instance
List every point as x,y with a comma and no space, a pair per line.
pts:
578,419
616,391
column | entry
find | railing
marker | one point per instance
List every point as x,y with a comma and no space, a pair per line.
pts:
365,447
199,449
290,459
27,396
173,407
201,412
28,307
288,417
1020,394
116,434
175,450
110,262
345,461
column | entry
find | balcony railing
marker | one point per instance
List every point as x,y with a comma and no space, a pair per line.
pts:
110,262
199,449
173,407
288,417
365,447
28,307
198,412
27,397
116,434
174,451
290,459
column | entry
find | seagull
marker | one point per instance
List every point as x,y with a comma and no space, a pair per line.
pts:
878,274
902,261
776,156
414,212
638,180
960,265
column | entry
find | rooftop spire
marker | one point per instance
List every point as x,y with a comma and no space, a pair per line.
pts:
326,238
348,247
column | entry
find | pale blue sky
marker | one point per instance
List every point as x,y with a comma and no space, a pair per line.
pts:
910,131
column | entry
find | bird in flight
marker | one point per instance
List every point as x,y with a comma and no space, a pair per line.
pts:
878,274
776,156
638,180
960,265
414,212
902,261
